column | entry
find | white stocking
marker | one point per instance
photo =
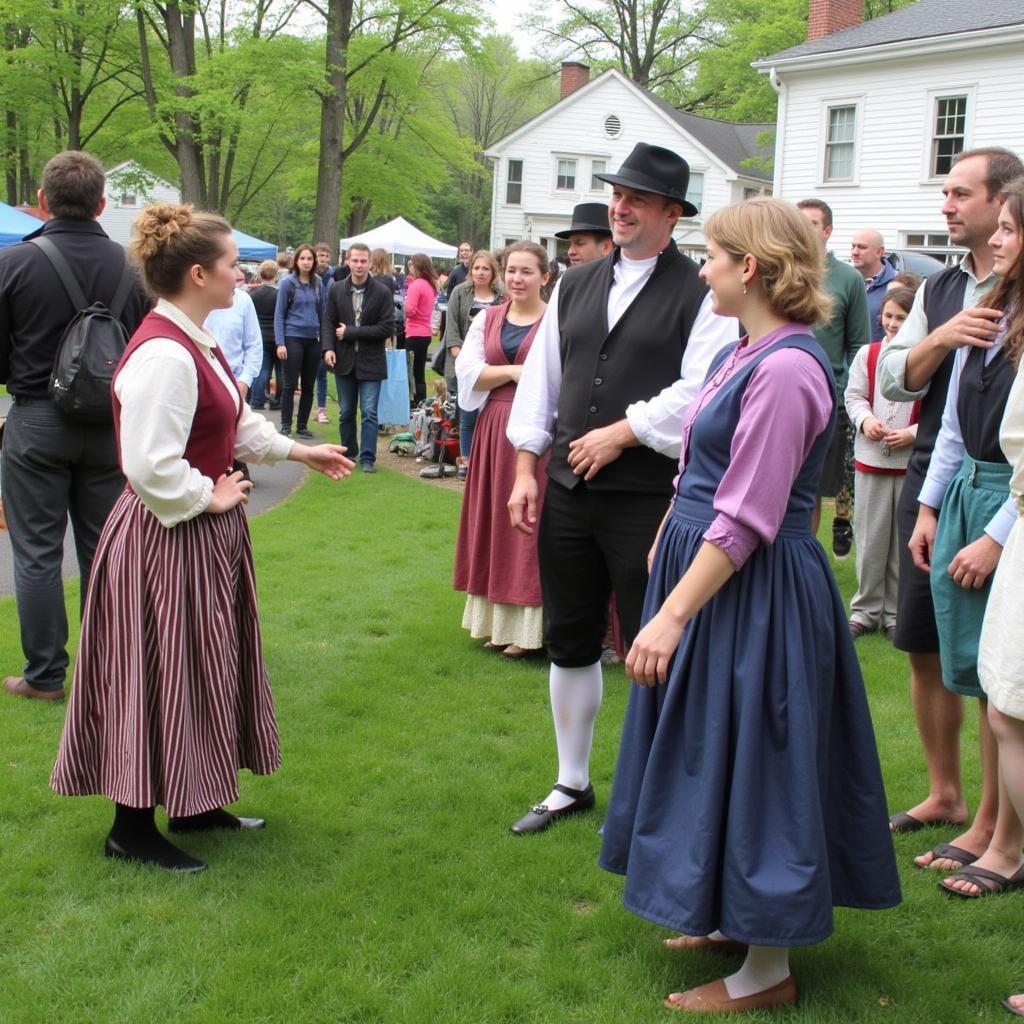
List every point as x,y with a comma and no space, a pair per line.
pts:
765,967
575,700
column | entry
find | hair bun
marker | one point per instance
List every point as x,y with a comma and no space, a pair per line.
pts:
157,225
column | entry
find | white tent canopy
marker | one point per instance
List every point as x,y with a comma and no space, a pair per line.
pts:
399,236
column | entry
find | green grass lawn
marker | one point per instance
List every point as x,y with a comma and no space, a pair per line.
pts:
386,887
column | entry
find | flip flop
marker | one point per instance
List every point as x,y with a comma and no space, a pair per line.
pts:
947,851
990,883
904,822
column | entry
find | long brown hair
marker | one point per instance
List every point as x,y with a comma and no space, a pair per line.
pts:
540,254
423,265
299,250
1008,294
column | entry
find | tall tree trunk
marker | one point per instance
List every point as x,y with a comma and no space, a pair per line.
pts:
181,34
332,122
10,154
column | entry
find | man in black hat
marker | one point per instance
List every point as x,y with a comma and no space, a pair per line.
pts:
589,235
635,323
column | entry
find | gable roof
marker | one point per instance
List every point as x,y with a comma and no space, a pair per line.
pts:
927,19
730,143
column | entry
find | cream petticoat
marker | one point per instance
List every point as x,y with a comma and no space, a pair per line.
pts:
522,625
1001,652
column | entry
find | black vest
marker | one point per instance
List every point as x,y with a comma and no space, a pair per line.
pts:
604,371
943,299
981,402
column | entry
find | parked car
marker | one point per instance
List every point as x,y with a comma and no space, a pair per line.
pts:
919,263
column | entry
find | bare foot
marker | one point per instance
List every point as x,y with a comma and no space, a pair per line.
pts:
990,860
714,945
932,809
973,841
1015,1003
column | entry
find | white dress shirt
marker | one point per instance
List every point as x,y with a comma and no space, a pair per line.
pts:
158,390
656,422
948,454
237,330
892,363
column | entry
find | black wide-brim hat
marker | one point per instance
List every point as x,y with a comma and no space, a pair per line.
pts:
591,218
655,169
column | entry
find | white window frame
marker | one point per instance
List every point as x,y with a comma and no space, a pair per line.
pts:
522,173
702,171
932,98
576,160
828,105
599,188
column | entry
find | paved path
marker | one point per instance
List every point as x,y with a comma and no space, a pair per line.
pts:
273,485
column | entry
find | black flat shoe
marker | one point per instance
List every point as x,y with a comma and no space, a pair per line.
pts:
541,817
219,819
166,856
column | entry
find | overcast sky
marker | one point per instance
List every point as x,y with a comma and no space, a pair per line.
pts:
505,18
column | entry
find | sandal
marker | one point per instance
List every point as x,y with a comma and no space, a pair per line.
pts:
904,822
947,851
696,942
488,646
990,883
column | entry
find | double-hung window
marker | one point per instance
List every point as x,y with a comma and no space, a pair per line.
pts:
840,142
949,131
566,174
514,183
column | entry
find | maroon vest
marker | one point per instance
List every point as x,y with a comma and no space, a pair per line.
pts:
495,354
211,439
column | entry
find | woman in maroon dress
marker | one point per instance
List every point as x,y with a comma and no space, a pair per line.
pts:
494,564
170,695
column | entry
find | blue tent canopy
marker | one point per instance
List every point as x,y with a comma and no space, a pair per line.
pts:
250,248
15,225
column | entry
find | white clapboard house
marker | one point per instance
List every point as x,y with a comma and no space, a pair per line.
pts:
129,188
548,165
872,113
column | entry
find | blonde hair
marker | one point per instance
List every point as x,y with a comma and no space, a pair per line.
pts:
267,270
168,239
790,262
486,256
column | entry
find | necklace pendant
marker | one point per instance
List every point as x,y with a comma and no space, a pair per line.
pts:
886,450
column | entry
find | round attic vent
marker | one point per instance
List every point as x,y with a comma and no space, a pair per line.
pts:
612,125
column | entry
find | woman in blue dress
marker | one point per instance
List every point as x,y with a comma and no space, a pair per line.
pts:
748,798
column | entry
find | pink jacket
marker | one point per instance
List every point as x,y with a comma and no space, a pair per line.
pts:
419,307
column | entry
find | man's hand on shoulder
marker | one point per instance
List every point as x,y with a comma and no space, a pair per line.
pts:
597,448
977,326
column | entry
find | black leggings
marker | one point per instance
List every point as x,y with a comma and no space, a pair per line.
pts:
300,366
418,347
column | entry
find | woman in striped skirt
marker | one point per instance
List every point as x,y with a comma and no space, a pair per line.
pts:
170,694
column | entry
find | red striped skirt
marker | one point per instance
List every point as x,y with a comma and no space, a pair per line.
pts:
170,694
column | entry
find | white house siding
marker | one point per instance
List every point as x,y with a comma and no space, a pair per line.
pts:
577,130
117,218
892,191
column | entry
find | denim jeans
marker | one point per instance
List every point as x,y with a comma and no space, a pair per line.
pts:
365,393
321,385
258,394
467,421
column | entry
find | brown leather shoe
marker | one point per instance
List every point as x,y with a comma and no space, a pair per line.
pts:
715,998
17,687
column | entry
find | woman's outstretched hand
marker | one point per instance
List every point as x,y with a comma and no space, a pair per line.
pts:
328,459
229,490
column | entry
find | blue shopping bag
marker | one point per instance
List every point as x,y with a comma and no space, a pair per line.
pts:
393,406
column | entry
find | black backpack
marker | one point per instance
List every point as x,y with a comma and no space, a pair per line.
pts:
90,347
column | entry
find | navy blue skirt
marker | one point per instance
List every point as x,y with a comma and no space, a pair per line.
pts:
748,795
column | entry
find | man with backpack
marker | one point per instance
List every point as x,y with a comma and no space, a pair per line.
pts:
55,465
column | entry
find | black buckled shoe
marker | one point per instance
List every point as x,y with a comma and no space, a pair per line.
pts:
538,818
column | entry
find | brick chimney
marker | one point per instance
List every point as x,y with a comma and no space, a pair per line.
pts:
574,76
827,16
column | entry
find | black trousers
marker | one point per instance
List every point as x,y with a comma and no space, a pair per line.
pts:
300,366
418,347
53,468
590,543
